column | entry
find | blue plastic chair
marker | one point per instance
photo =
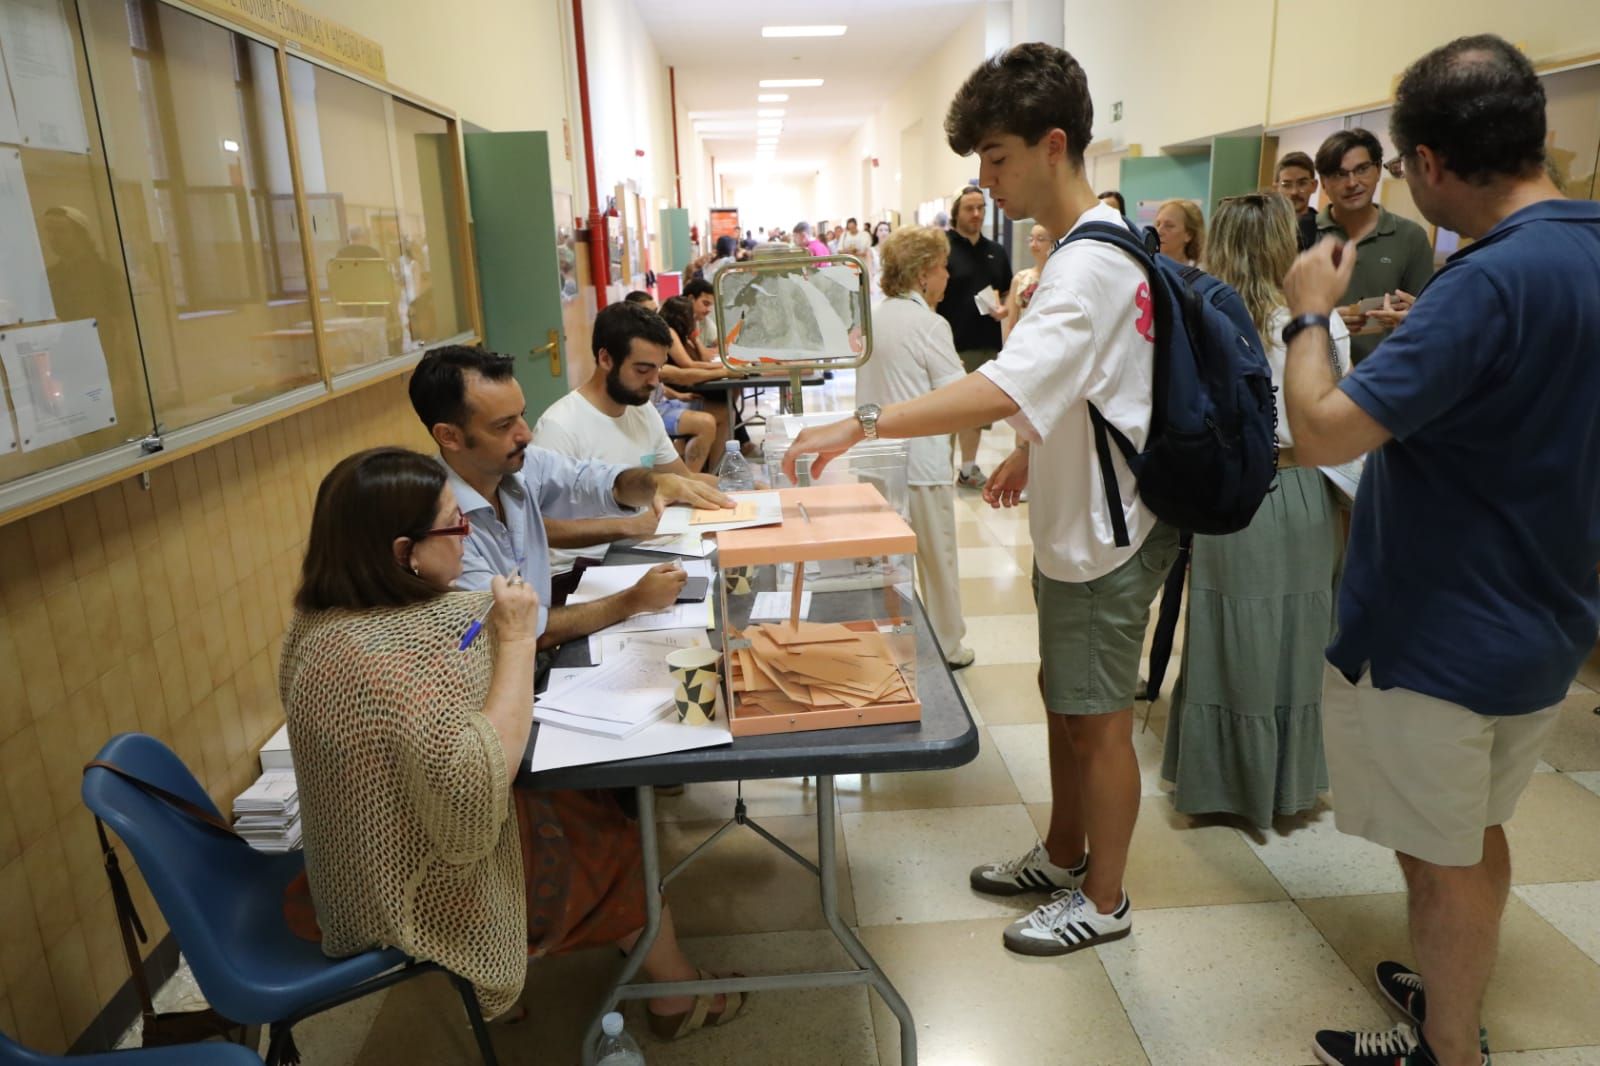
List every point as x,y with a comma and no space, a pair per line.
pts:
216,1054
224,902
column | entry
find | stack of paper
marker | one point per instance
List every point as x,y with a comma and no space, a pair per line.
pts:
599,582
556,748
815,666
749,509
615,699
267,814
657,643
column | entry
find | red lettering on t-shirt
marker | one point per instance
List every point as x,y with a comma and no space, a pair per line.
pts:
1146,325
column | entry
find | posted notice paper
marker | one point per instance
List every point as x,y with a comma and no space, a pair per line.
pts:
10,132
57,379
24,285
44,75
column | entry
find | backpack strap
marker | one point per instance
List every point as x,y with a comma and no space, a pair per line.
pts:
171,799
1104,432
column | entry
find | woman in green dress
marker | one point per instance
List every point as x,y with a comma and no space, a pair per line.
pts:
1245,733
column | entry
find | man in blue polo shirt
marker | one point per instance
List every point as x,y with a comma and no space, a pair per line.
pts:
1470,595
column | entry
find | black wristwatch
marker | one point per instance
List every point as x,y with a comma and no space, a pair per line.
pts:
1303,322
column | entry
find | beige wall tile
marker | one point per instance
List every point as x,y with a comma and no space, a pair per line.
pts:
38,1014
10,841
8,1019
107,957
215,641
127,603
103,619
70,630
112,512
51,883
21,948
52,554
19,579
168,650
160,592
196,664
26,786
36,655
233,630
68,960
140,505
83,536
146,694
117,697
14,699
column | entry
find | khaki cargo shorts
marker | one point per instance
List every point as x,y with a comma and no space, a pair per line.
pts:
1091,633
1420,775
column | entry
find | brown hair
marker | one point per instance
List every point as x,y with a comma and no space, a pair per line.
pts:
1333,150
1254,239
907,253
1295,159
364,503
1027,90
1195,247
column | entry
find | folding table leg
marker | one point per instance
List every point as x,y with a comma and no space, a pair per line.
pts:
827,861
650,847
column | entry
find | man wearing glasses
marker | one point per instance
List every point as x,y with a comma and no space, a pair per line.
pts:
1297,179
1395,259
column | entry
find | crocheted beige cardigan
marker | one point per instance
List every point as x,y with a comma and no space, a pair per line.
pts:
411,838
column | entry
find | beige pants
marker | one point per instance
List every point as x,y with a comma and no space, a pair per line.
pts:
933,517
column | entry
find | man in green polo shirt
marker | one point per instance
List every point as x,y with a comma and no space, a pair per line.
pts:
1394,257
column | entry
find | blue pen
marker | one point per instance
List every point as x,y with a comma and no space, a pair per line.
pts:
477,623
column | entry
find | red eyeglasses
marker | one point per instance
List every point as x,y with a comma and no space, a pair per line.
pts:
462,529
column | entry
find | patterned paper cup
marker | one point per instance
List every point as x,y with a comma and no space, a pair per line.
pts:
738,579
697,683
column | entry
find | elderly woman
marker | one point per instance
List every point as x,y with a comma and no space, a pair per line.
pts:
913,354
1182,230
407,730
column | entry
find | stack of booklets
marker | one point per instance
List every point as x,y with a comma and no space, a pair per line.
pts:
621,696
267,814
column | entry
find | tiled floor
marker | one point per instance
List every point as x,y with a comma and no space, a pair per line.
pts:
1244,942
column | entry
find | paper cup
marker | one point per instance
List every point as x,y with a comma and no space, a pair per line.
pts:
697,683
739,579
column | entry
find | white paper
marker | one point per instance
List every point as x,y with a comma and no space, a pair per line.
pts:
776,605
692,543
769,512
678,616
598,582
8,436
657,642
988,300
556,747
1345,476
626,688
24,284
10,132
58,382
43,75
600,727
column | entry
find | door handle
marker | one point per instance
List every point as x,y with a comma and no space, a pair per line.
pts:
553,347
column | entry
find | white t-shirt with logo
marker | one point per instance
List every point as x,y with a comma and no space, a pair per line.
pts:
1088,337
574,427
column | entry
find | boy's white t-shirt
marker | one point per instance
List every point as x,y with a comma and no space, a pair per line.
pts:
1088,337
575,427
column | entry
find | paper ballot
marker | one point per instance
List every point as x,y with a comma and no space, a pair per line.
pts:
557,746
753,509
617,698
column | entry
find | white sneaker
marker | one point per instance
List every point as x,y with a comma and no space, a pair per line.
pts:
1033,872
1068,923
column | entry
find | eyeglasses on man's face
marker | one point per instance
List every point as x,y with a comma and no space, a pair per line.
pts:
1360,172
1297,184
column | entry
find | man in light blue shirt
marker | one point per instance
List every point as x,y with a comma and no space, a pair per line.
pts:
474,410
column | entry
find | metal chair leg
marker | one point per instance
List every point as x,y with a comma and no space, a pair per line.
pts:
480,1031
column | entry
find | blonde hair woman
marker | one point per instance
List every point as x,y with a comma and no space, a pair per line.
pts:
913,354
1026,280
1245,733
1182,229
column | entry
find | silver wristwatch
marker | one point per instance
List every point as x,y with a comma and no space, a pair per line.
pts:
867,414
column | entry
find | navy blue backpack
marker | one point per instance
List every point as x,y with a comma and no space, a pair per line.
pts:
1211,452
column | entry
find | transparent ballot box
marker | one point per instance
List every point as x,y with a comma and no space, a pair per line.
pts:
802,651
880,463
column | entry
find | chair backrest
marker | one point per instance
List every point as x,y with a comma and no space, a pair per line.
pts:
14,1054
218,894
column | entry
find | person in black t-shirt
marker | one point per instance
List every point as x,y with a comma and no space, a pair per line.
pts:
1297,179
976,264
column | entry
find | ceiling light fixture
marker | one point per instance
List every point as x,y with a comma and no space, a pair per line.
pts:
770,112
772,98
803,31
789,83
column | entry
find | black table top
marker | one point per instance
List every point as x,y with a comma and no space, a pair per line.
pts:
945,737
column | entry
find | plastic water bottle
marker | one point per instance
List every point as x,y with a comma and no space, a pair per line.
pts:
735,475
617,1048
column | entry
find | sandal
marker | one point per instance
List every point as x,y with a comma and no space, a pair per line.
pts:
699,1016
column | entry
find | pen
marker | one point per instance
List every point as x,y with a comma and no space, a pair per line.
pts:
477,622
804,513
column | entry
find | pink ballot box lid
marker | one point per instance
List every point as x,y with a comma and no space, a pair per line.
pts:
836,522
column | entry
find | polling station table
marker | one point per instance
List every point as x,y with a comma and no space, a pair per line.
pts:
730,388
946,737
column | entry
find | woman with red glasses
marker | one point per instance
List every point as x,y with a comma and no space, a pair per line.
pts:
408,727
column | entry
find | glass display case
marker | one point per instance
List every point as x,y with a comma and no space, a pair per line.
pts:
818,614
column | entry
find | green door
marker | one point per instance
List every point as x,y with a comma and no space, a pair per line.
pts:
521,267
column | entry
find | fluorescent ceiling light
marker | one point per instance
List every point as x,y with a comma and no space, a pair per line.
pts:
770,112
789,83
230,145
772,98
803,31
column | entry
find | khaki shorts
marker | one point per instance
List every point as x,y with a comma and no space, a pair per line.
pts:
1091,633
1420,775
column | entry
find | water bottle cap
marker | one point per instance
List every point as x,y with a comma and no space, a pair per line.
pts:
731,446
611,1024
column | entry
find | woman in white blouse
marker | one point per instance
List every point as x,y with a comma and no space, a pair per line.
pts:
913,354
